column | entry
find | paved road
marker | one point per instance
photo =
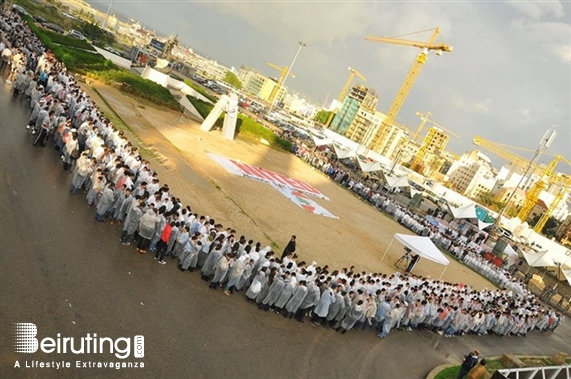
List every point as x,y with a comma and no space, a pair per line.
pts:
68,274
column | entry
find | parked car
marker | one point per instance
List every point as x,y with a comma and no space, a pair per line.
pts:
70,16
75,34
54,27
20,10
40,19
199,79
507,233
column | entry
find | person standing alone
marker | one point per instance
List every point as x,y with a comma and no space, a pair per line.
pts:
290,248
470,361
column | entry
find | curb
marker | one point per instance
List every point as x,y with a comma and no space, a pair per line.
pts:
435,371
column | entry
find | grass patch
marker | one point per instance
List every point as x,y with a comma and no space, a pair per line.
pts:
64,40
203,108
200,90
76,59
493,365
250,127
137,86
448,373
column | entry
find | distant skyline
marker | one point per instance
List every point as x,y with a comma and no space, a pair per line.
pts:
507,80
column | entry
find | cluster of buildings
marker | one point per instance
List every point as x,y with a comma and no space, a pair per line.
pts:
471,174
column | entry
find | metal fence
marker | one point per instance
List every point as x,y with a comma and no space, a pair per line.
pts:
548,372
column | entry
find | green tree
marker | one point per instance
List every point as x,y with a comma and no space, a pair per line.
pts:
322,116
233,80
550,226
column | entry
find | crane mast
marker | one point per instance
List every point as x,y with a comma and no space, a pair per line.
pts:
409,81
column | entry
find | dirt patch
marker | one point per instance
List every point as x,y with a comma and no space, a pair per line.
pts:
359,237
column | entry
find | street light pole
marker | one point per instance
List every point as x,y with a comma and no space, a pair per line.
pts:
545,142
301,44
107,16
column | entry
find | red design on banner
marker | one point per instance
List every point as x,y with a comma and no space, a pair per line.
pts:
273,177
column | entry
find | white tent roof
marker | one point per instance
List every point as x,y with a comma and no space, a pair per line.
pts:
467,211
483,225
422,246
342,153
510,251
393,181
539,259
369,166
322,141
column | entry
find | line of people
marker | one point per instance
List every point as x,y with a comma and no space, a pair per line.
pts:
123,189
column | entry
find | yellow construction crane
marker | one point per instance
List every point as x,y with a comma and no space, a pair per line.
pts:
423,121
501,151
548,174
411,77
283,73
417,163
532,196
345,89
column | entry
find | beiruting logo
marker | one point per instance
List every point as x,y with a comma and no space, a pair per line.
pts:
25,341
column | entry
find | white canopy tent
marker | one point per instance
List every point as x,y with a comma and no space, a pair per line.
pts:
422,246
467,211
369,166
393,181
483,225
342,153
512,255
539,259
322,141
510,251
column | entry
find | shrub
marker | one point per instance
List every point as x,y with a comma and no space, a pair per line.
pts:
138,86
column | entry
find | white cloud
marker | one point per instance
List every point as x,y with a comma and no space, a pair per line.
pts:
483,106
525,112
539,26
311,22
537,10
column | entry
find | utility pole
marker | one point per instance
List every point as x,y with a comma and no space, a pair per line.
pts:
107,16
301,44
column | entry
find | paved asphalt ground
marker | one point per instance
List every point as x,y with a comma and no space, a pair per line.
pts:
68,274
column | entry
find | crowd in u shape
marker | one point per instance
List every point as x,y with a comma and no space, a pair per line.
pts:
124,190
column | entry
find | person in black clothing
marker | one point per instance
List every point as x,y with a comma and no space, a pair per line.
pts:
412,263
290,248
470,360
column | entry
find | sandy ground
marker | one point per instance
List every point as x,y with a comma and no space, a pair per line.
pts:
359,237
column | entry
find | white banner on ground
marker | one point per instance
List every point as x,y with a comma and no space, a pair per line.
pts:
266,176
303,201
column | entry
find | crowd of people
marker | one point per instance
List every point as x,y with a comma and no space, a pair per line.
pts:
460,239
124,190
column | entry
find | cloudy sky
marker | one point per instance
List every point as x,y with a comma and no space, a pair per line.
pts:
507,80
